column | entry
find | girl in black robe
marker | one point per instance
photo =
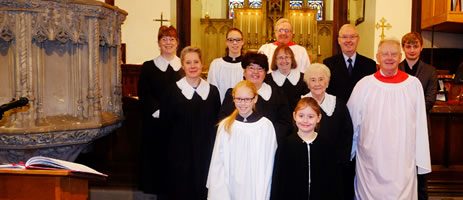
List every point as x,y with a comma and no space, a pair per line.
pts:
189,114
285,75
305,164
155,76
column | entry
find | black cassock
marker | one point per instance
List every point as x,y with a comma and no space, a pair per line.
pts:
330,153
275,109
190,128
291,171
151,86
292,92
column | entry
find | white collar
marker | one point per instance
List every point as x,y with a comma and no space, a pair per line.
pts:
188,91
279,78
162,63
265,91
328,105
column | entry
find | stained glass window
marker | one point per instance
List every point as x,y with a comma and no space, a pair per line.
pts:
255,3
296,4
234,4
318,5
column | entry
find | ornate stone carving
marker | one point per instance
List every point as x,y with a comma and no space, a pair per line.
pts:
55,53
62,20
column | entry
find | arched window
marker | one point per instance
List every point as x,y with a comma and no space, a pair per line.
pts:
318,5
234,4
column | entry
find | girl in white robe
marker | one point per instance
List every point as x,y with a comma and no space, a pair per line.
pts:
226,72
242,160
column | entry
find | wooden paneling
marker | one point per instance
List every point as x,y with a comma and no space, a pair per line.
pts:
130,75
439,14
446,143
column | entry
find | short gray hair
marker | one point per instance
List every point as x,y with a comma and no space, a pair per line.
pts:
348,26
314,67
281,21
390,41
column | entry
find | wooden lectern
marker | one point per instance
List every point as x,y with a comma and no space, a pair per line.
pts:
28,184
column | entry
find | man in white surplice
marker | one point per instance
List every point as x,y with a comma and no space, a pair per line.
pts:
390,133
284,35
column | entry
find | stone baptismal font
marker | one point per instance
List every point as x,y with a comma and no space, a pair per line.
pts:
64,57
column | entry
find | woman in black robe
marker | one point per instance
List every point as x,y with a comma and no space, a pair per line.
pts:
307,167
271,102
189,114
155,76
335,126
285,75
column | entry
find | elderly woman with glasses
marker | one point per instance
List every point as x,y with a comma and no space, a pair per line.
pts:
335,131
271,101
285,76
226,72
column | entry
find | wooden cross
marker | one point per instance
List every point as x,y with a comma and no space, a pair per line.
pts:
161,20
382,26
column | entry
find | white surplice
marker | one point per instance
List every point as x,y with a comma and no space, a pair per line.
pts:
224,75
242,163
300,53
390,138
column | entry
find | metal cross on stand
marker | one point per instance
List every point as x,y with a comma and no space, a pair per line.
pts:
382,26
161,20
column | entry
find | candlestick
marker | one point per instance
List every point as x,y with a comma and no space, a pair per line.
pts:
249,22
241,21
300,28
294,23
257,16
308,27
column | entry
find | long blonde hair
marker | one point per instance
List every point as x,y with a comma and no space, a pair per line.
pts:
228,122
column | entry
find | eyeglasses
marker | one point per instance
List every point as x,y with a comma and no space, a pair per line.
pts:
234,39
255,69
348,37
284,57
246,100
167,38
284,30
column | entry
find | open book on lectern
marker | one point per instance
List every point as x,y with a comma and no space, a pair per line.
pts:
46,163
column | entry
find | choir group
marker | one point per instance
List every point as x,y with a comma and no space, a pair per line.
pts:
271,125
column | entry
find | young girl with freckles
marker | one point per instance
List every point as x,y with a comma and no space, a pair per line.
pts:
242,160
303,167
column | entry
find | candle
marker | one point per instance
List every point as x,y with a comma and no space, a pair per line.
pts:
249,22
301,25
257,16
294,23
308,27
319,50
241,21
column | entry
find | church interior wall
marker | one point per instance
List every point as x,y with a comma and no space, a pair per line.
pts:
216,9
196,15
398,14
367,37
139,31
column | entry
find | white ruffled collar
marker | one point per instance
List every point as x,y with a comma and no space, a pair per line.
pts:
162,63
279,78
202,90
328,105
265,91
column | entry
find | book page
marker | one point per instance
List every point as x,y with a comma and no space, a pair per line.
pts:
41,162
